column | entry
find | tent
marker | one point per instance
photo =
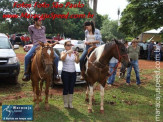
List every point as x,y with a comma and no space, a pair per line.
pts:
153,34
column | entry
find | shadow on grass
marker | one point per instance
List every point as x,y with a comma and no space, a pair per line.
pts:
7,87
78,116
53,115
134,89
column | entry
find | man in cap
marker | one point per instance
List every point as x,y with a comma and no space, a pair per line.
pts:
133,52
37,33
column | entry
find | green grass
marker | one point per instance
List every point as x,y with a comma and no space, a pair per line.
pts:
130,103
20,50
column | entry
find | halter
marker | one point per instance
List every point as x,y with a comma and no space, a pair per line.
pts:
43,62
114,68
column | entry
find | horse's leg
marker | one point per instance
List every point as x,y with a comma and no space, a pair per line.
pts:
46,94
41,84
87,92
37,95
34,90
102,99
90,99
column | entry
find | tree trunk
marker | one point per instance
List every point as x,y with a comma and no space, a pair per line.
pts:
94,10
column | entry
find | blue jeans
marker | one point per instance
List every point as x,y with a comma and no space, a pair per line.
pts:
68,79
83,56
29,55
149,55
134,64
112,77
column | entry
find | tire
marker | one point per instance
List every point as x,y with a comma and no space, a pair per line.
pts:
77,49
14,80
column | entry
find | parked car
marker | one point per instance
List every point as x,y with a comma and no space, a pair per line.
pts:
28,47
18,39
58,48
78,45
9,63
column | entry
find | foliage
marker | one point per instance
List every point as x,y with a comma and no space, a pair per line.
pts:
140,16
110,30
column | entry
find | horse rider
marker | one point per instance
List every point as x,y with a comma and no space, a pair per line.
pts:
37,34
92,38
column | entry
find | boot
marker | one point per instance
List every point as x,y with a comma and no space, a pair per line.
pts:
26,76
70,96
56,77
65,100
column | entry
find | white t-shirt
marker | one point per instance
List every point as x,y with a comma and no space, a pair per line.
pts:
69,63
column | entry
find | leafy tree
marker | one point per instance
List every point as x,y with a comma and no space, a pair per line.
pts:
141,15
110,31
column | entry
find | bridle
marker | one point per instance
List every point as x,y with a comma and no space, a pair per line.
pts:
43,62
106,65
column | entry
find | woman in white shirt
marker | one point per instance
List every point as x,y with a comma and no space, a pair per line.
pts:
68,75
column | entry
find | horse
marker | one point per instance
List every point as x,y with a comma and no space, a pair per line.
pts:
42,70
96,68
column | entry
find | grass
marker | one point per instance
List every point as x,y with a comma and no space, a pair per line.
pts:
122,104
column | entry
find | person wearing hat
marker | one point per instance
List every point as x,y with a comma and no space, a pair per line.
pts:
133,53
150,48
92,38
37,33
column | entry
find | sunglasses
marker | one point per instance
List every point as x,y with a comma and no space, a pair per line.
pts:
69,45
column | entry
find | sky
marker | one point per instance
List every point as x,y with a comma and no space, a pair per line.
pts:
110,7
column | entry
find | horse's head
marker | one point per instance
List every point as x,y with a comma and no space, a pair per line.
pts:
47,57
121,53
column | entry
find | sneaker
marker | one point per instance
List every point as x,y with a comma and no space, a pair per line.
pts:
109,85
128,84
26,78
81,78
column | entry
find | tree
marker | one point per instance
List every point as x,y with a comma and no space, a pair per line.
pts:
140,16
110,31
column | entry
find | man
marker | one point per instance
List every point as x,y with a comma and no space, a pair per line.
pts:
37,33
133,52
112,64
150,48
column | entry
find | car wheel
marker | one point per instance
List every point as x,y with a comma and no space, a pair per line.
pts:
77,49
14,80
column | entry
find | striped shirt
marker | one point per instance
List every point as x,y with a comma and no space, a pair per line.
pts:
37,35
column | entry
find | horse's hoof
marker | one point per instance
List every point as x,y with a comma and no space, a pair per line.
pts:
40,100
93,100
37,108
86,100
47,107
89,110
102,111
34,100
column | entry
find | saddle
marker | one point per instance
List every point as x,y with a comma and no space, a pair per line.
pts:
90,50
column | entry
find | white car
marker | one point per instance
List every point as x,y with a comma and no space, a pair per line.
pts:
58,48
78,45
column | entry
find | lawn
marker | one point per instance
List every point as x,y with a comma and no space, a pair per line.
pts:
122,103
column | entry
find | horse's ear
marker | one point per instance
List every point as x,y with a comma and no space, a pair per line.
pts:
116,41
41,43
54,44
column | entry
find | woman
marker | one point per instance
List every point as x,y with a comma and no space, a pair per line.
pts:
92,37
68,75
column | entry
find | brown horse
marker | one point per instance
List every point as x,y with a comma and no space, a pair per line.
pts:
96,68
42,69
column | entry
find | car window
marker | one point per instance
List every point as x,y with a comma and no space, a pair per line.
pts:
58,51
4,43
80,42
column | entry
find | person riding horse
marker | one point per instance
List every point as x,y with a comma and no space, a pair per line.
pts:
92,38
37,33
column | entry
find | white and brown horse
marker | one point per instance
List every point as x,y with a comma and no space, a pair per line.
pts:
96,68
41,70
